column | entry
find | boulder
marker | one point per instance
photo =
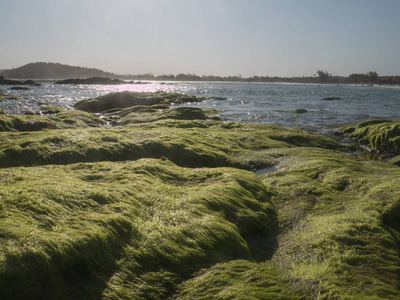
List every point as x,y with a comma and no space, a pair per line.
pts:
128,99
301,111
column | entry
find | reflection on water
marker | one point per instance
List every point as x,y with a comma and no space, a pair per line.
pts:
269,169
245,102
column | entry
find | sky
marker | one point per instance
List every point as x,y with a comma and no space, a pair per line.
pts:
282,38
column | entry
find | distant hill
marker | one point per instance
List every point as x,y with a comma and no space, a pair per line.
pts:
42,70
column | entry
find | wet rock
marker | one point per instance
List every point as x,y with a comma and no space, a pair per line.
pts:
29,113
4,81
93,80
51,109
379,137
128,99
216,98
301,111
332,98
31,82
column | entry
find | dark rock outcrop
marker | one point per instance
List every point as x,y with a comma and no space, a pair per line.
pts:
4,81
92,80
128,99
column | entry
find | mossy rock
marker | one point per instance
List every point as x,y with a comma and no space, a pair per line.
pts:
187,143
131,229
395,161
77,118
128,99
66,119
381,135
25,123
150,229
152,114
301,111
332,98
339,223
51,109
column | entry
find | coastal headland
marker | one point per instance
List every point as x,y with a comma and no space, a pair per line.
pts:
125,197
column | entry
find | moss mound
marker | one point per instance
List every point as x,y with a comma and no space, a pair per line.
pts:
339,222
128,99
199,143
146,114
64,119
51,109
131,229
381,136
339,234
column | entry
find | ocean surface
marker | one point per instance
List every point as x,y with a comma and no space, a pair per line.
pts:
245,102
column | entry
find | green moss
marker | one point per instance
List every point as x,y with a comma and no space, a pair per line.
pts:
132,228
135,211
186,143
338,219
143,114
76,118
395,160
51,109
25,123
65,119
382,135
240,279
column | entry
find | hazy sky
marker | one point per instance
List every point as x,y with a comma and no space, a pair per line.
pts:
219,37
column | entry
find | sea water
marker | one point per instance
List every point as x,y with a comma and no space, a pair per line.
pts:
244,102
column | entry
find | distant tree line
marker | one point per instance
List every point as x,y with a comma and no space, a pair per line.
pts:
369,78
43,70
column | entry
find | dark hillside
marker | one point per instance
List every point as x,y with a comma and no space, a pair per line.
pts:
42,70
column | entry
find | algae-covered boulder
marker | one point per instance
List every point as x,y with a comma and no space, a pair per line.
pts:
379,135
144,114
339,218
64,119
127,99
199,143
131,229
51,109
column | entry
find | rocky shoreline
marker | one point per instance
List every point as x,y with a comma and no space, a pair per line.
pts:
124,198
4,81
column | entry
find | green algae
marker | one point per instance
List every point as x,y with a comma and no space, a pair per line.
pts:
51,109
125,223
338,220
136,212
146,114
64,119
187,143
381,135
